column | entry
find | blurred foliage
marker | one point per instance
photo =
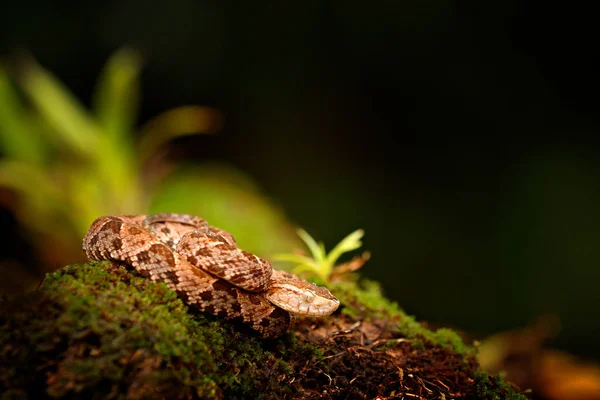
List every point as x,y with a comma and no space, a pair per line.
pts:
69,165
230,200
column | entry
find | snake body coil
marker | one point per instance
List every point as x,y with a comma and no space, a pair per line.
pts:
204,266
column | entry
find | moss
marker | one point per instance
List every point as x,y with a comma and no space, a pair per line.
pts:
489,387
366,298
100,330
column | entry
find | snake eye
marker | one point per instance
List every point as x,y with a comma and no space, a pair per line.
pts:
309,297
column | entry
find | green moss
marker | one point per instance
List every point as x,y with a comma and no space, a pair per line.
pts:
366,294
365,297
489,387
100,330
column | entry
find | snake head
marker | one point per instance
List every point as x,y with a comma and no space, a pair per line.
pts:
295,295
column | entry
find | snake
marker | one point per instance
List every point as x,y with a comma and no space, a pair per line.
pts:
205,267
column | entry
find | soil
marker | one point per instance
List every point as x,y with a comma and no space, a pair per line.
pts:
371,360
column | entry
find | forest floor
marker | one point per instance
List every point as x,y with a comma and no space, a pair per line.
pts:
102,331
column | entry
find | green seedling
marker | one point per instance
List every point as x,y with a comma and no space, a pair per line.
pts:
320,263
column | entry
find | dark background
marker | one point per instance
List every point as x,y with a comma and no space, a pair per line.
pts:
461,136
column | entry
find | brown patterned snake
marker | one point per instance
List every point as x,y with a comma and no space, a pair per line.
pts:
204,266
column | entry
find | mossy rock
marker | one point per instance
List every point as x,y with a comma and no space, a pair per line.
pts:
102,331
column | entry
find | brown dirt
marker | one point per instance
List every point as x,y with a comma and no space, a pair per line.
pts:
367,360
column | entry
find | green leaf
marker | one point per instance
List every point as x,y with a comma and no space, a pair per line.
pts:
61,109
116,170
18,139
303,268
317,251
295,258
29,179
117,94
321,264
349,243
230,200
39,193
88,196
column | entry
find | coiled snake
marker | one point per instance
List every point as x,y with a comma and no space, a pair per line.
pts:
204,266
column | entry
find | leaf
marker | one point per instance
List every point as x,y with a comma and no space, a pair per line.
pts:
30,180
349,243
317,251
61,109
18,140
88,196
41,202
303,268
116,171
322,265
228,199
295,258
117,94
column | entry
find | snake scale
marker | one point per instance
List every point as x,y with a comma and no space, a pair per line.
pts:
205,267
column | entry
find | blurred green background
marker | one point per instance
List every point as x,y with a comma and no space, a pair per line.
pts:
461,136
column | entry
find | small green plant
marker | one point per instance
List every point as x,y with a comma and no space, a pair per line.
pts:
322,263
